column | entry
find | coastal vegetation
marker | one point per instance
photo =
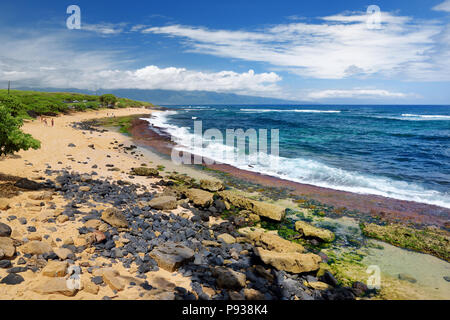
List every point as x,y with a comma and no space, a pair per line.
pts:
17,106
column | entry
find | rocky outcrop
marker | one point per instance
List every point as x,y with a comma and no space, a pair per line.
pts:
262,209
170,256
164,203
310,231
144,171
199,197
229,279
115,218
290,261
55,269
270,240
7,247
36,248
211,185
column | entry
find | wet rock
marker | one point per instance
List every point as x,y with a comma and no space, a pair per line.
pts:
5,230
290,261
359,288
310,231
115,218
170,256
407,277
164,203
144,171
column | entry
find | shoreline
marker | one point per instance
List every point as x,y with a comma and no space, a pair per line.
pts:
111,155
374,206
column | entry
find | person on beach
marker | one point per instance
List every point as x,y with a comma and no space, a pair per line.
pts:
45,122
53,123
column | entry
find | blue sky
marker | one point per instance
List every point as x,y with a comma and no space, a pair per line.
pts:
318,51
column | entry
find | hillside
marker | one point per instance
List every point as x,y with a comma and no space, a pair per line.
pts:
51,103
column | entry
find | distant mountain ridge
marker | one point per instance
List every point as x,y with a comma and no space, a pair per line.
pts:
172,97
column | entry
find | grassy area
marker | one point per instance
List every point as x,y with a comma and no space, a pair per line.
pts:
51,103
123,123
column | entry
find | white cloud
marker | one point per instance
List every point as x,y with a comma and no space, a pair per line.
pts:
104,28
444,6
338,47
52,61
355,94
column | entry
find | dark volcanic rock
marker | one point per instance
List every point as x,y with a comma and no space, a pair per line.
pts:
5,230
24,183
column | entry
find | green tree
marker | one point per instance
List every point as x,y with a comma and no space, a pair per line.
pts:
108,99
12,139
16,107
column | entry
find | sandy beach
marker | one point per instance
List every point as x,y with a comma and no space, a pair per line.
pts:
41,217
56,153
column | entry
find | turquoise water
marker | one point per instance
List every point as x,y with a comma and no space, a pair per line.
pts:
401,152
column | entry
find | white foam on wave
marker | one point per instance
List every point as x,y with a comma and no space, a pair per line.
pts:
292,110
305,171
419,117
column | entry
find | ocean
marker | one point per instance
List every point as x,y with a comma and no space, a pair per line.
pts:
401,152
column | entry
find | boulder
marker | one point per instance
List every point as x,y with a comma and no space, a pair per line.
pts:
170,256
36,248
228,278
7,246
270,240
252,294
211,185
47,285
290,261
4,204
5,230
262,209
225,237
12,279
24,183
318,285
46,195
310,231
199,197
164,203
55,269
63,253
111,277
115,218
145,172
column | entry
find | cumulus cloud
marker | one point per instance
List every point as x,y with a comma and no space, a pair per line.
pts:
337,47
444,6
51,61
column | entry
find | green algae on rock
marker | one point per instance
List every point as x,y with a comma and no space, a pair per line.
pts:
434,242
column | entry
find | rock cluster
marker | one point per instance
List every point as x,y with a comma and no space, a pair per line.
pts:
140,231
